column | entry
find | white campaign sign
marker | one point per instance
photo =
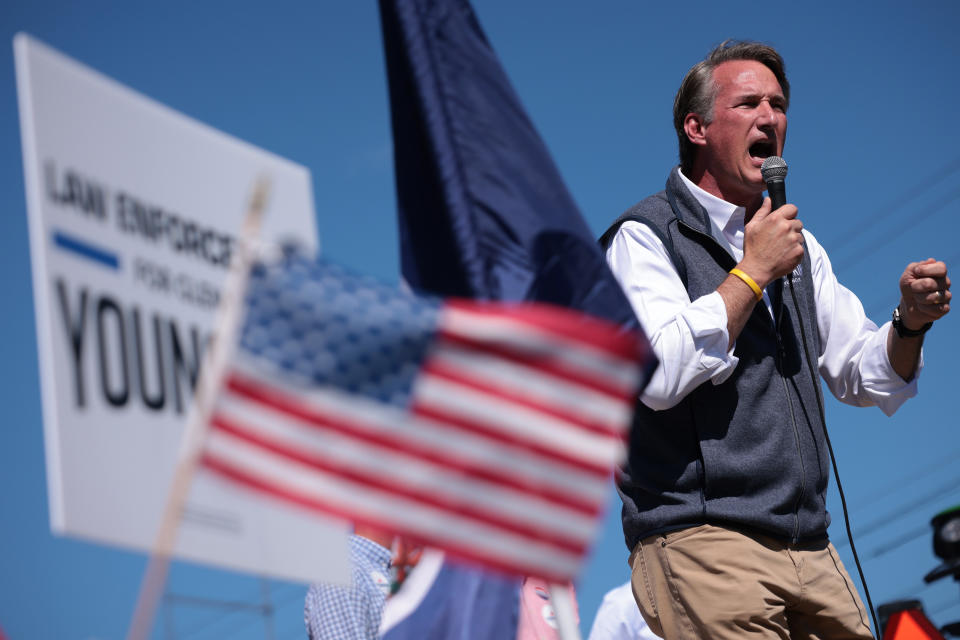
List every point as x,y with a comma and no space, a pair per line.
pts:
134,210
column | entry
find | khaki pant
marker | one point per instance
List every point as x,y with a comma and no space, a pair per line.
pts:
713,582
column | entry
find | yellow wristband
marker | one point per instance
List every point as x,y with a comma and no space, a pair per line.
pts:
757,291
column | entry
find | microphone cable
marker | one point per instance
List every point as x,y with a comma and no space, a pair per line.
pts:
833,458
773,171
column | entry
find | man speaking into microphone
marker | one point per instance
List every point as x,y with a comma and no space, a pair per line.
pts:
724,490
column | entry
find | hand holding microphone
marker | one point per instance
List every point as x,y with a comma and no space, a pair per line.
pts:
773,242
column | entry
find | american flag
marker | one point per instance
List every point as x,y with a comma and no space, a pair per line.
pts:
487,430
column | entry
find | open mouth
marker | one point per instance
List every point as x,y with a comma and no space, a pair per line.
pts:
762,149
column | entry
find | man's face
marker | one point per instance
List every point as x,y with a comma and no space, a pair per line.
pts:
749,124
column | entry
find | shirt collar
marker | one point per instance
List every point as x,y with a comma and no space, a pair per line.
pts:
726,219
369,550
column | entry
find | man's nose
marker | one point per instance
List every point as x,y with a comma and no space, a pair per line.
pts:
767,115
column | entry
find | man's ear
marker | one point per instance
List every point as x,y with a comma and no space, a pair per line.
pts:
695,128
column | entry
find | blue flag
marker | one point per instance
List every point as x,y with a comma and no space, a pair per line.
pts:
483,211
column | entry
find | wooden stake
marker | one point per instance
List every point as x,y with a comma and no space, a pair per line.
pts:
212,371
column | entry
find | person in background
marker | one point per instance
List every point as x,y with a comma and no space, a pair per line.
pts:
353,612
537,617
619,619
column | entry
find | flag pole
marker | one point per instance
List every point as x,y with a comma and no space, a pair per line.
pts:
211,375
562,597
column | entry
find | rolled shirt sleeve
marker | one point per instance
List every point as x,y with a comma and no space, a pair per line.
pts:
689,337
854,361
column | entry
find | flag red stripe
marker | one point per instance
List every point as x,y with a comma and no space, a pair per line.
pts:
312,503
393,485
566,323
549,367
459,421
456,375
288,404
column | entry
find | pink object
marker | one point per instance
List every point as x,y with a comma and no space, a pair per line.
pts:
538,620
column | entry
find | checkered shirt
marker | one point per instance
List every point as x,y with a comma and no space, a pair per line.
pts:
333,612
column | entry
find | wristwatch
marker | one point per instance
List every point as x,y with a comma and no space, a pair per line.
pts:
903,331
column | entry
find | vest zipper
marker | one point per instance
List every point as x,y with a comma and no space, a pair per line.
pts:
796,436
779,357
781,354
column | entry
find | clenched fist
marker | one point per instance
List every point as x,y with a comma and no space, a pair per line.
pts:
924,293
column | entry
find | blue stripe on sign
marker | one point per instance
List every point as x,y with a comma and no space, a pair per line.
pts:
86,250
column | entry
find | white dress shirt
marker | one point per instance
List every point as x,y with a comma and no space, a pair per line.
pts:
619,618
690,338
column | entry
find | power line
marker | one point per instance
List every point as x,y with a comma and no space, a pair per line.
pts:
296,596
897,542
880,306
884,491
944,606
213,603
902,510
269,613
895,233
296,592
211,621
265,607
913,592
910,194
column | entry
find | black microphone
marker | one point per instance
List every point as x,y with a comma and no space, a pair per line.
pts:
774,170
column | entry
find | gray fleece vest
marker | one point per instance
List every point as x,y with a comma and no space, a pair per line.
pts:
748,453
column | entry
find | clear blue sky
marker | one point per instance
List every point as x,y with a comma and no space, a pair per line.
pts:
874,170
